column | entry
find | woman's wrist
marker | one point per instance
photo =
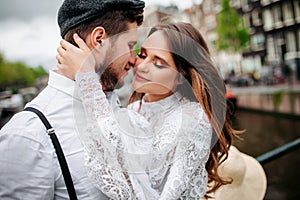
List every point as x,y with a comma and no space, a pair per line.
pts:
85,75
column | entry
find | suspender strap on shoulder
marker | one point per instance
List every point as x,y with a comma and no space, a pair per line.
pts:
60,155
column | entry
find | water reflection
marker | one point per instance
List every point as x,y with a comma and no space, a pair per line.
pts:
266,132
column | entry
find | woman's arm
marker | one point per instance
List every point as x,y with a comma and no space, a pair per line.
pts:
113,151
101,140
100,137
187,174
108,137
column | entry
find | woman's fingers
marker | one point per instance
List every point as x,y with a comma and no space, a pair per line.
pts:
61,51
82,45
67,45
58,58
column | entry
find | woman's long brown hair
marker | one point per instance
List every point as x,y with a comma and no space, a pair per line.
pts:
193,61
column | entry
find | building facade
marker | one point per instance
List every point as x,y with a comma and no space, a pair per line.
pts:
274,26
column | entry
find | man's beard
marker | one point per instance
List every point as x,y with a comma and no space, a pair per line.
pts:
109,79
108,75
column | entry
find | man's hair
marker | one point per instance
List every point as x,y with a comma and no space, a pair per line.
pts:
114,22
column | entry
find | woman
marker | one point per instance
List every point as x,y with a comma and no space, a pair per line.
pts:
170,140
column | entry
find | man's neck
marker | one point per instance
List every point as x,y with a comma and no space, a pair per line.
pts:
105,90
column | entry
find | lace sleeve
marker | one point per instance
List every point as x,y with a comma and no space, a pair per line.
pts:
187,177
101,140
179,148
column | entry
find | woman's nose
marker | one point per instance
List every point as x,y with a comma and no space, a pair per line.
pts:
142,64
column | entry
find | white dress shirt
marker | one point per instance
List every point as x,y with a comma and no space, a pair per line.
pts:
29,168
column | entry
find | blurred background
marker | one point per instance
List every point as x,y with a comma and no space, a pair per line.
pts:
254,43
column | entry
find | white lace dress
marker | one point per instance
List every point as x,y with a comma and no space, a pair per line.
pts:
156,152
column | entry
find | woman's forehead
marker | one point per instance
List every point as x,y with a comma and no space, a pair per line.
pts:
157,40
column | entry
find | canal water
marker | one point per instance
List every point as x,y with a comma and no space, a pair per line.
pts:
265,132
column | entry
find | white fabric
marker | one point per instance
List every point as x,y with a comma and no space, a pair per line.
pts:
29,168
158,152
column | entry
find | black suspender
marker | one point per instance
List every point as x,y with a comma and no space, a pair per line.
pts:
60,154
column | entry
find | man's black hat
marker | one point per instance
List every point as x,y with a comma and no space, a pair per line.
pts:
75,12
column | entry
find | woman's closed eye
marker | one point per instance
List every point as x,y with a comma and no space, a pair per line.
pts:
158,63
156,60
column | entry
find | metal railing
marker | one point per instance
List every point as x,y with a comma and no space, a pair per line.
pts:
278,152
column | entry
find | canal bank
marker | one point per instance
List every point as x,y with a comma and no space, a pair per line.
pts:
265,132
279,99
270,116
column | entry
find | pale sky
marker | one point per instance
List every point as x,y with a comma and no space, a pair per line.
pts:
29,30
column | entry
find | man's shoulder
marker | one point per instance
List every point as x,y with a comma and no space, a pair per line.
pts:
26,119
26,125
23,120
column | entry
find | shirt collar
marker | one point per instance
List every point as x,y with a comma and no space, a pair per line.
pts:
62,83
68,86
162,105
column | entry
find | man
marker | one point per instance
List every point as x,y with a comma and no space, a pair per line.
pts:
29,168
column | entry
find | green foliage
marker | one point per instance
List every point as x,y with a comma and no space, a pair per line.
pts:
1,57
39,71
277,99
137,48
17,74
233,35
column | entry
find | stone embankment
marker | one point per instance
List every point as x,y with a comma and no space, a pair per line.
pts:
282,99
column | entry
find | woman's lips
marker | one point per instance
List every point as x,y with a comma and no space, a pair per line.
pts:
140,78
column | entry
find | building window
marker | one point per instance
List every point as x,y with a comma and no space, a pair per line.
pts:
298,39
247,20
265,2
258,41
268,20
297,10
256,18
246,4
288,13
277,17
291,42
236,3
271,46
270,49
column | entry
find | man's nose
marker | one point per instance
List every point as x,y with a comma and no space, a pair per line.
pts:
132,59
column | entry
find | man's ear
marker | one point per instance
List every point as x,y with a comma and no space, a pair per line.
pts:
97,36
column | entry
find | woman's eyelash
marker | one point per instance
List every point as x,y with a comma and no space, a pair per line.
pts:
159,66
143,55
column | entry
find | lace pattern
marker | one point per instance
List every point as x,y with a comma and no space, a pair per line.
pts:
156,152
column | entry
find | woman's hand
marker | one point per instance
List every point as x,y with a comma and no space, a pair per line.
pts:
72,59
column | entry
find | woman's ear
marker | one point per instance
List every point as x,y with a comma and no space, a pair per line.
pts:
97,36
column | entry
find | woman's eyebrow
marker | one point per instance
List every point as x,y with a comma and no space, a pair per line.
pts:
156,56
161,59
